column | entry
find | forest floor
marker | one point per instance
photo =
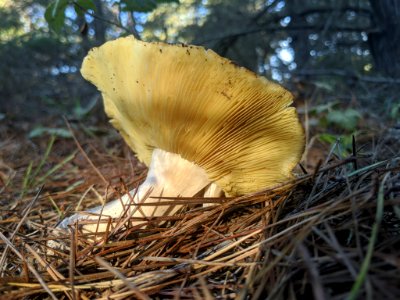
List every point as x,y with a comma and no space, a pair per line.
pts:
333,233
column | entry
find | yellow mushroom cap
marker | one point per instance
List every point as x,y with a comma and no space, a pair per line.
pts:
188,100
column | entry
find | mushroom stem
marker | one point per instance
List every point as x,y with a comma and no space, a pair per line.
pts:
169,175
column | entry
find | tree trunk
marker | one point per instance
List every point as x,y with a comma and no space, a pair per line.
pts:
385,43
99,25
300,42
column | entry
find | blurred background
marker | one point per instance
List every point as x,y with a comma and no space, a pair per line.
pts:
340,58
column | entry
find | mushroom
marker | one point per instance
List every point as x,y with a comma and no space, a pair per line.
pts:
196,119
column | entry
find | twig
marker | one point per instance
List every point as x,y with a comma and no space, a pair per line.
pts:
84,153
72,262
119,25
354,148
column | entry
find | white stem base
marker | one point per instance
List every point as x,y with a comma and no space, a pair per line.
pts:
169,176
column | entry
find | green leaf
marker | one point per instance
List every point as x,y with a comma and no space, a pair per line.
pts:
328,138
40,131
324,85
82,6
55,8
55,14
319,109
395,111
347,119
344,145
81,111
143,5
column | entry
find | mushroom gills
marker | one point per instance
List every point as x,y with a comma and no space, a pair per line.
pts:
169,175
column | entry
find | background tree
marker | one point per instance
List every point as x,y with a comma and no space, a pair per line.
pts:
385,40
341,44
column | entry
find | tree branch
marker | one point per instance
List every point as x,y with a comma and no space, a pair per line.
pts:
93,15
346,73
291,28
230,39
325,10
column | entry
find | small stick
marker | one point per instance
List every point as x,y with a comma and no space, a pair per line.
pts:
72,262
354,153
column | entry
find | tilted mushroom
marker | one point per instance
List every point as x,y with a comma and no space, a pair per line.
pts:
194,118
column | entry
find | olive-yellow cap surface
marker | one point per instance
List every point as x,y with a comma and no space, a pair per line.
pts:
237,126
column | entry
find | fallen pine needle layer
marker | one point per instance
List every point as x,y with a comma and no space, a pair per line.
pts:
333,233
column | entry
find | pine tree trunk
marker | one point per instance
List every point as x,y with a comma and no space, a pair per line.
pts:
385,43
99,25
300,42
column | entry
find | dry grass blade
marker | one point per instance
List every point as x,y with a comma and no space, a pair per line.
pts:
195,262
118,274
206,292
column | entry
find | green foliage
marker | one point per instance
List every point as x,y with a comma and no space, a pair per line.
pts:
9,19
76,110
41,131
43,44
33,175
322,108
80,111
30,174
324,85
344,119
395,112
55,12
345,142
26,63
330,115
84,5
